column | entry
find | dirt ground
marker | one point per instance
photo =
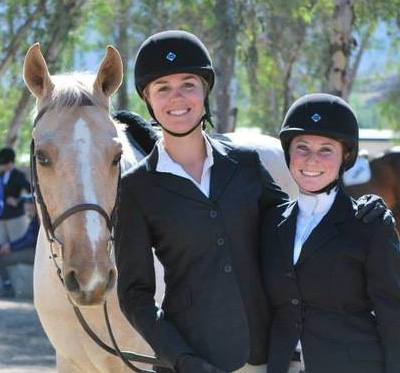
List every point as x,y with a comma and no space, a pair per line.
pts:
24,348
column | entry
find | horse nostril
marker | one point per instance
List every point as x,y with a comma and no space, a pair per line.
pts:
71,283
111,279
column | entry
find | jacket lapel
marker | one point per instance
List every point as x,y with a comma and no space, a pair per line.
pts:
287,230
222,171
327,229
172,183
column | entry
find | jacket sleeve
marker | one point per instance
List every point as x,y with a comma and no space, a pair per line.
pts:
136,281
383,283
272,194
28,240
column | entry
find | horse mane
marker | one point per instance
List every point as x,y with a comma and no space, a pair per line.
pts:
141,133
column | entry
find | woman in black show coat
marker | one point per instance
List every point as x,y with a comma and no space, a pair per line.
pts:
332,281
197,201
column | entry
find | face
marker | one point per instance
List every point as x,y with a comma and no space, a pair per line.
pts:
314,161
6,167
177,101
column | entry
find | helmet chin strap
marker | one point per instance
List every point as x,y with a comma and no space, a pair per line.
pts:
179,134
205,118
327,189
332,185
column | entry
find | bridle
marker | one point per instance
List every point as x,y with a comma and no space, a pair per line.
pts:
50,227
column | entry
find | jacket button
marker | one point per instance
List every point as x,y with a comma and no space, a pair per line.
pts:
289,274
228,269
220,241
213,214
295,301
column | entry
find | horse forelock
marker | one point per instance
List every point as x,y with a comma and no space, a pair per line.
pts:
74,89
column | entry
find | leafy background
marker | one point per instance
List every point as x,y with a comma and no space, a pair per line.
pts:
266,53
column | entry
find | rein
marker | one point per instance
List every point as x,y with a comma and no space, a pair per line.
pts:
50,227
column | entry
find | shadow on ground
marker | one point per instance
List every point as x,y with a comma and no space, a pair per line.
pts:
24,348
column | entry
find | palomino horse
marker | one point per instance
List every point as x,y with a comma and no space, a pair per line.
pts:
384,181
77,148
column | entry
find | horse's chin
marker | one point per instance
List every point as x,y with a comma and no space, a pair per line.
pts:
87,300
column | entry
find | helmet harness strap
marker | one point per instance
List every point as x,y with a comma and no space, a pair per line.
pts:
206,117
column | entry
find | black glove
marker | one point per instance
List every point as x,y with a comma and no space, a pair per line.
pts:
192,364
371,208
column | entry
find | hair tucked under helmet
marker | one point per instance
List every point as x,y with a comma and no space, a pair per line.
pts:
325,115
173,52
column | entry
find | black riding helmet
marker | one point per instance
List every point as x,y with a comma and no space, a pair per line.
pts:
325,115
172,52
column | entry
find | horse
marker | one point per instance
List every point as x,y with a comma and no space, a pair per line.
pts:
77,148
384,181
76,153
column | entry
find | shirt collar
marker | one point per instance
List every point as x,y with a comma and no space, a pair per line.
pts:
310,204
166,164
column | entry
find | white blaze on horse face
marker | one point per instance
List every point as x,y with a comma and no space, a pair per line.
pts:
82,140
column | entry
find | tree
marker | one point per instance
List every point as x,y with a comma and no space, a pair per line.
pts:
341,44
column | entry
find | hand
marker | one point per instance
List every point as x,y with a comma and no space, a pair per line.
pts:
5,249
372,208
12,201
193,364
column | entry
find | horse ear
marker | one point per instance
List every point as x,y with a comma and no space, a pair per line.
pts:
110,73
36,74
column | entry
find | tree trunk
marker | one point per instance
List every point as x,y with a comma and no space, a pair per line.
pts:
224,64
289,63
341,43
19,35
17,121
122,43
364,40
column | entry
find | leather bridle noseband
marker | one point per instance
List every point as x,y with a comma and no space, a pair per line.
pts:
50,227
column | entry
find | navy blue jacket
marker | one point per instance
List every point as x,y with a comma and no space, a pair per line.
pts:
214,305
17,182
341,299
28,240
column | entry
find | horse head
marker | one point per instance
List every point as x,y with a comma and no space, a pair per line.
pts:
76,152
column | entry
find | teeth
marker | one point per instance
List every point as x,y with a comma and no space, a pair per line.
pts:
311,173
178,112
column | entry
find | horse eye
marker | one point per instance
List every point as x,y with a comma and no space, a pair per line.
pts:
117,159
42,158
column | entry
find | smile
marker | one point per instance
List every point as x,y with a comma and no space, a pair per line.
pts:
178,113
311,173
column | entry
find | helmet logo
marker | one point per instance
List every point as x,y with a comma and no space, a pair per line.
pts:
170,56
316,117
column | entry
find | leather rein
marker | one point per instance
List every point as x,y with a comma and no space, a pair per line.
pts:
50,227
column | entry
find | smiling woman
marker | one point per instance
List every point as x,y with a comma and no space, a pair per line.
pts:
197,202
333,281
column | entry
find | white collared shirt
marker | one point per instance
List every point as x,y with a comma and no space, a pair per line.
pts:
166,164
312,208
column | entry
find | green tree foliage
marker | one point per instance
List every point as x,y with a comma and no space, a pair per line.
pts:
281,49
